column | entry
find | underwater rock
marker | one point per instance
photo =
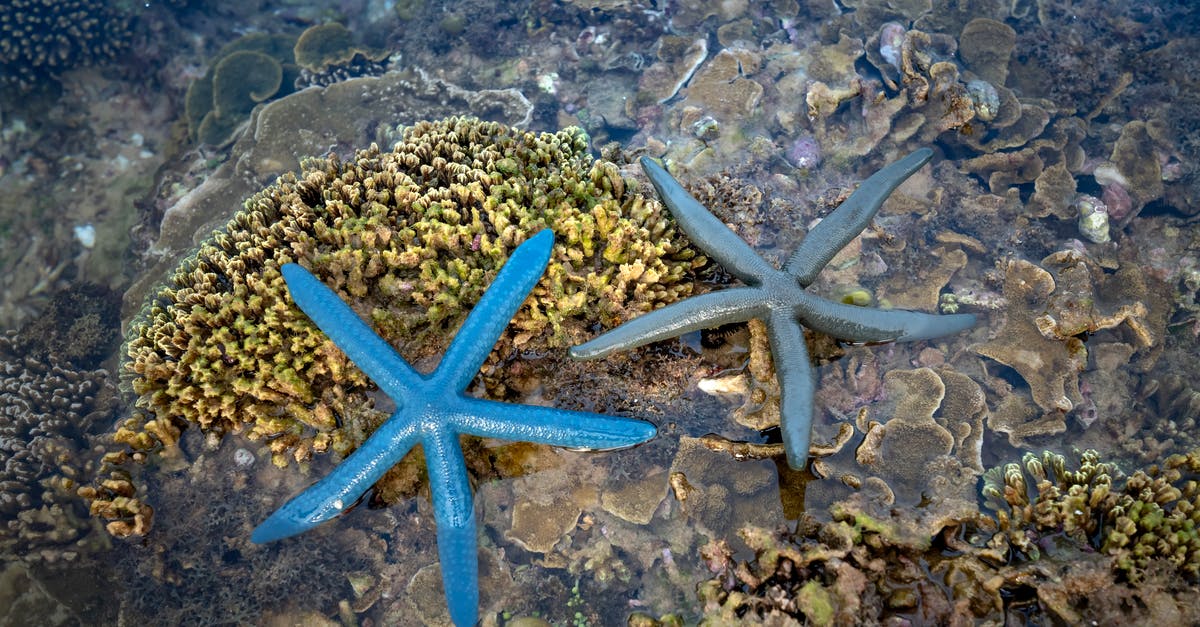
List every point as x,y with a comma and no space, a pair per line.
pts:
722,87
1139,170
678,60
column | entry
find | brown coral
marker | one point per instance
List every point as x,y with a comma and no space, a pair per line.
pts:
48,412
410,237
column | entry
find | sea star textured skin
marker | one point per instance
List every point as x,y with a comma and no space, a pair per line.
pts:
778,297
432,411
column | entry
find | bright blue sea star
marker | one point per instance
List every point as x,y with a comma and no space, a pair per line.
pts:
778,297
432,411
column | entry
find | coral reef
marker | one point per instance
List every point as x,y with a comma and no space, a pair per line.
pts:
1074,544
411,236
49,411
1047,311
1152,516
40,39
251,69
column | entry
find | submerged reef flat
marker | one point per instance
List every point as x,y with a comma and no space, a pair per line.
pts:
411,237
1059,207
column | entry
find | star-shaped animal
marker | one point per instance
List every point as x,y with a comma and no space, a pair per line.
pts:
778,297
432,411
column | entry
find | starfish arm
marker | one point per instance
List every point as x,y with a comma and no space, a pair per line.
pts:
864,324
704,229
547,425
487,320
797,385
342,487
454,512
842,225
361,344
705,311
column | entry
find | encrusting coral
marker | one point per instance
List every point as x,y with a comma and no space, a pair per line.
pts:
249,70
410,237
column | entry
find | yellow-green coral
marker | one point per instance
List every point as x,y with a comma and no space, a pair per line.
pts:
1157,517
410,237
1153,515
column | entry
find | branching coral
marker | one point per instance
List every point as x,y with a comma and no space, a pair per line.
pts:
410,237
46,411
1153,515
1058,499
41,38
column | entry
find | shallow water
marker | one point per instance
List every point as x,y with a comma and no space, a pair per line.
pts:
1059,207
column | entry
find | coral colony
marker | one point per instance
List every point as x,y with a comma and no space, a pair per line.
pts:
432,411
778,297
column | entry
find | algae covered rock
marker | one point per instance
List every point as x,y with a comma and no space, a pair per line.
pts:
411,238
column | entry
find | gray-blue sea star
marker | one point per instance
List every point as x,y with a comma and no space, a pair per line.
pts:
779,297
432,411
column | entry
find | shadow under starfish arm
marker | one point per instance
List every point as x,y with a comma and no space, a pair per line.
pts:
705,311
837,229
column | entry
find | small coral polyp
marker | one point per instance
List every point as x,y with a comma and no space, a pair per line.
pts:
410,237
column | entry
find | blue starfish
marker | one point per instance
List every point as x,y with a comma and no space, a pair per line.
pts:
432,411
778,297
